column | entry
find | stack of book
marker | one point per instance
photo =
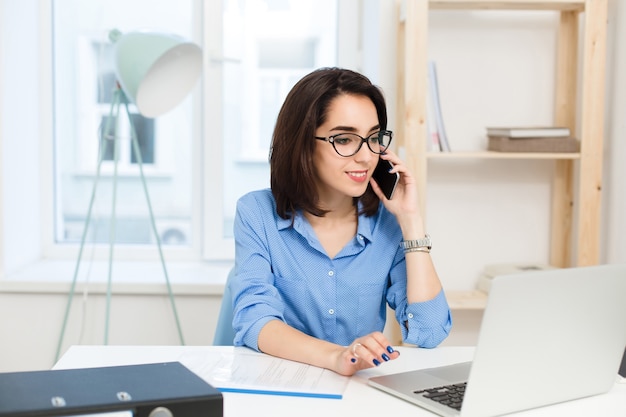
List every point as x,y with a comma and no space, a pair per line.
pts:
495,270
531,139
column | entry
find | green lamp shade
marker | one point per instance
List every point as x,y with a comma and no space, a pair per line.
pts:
155,70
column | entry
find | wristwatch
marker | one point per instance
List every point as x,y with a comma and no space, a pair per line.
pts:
419,243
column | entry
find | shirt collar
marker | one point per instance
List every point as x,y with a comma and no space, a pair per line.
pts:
365,225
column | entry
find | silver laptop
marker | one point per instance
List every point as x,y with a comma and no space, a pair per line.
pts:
546,337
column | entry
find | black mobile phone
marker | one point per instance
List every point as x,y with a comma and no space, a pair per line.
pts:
386,180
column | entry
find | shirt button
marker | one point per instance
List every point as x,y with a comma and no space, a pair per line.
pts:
360,237
410,315
331,311
331,273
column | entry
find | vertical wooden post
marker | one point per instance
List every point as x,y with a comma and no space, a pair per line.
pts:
564,115
415,87
592,132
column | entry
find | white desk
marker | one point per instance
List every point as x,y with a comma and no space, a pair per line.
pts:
359,399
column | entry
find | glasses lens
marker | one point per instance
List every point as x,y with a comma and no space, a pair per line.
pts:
347,144
379,141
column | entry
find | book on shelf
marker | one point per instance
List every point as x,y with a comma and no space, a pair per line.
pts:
529,132
539,144
437,131
432,142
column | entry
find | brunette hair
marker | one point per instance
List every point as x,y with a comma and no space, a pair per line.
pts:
292,172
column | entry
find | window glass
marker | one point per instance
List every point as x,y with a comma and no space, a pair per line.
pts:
84,82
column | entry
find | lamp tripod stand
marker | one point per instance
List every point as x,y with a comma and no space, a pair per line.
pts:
119,100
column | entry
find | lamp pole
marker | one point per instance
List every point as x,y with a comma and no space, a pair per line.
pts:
119,99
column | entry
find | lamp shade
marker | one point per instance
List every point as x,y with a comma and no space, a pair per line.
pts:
155,70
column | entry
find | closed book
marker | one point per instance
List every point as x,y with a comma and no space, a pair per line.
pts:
541,144
529,132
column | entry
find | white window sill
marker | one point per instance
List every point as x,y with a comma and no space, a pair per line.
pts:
145,278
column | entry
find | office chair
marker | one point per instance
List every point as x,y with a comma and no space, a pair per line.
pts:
224,333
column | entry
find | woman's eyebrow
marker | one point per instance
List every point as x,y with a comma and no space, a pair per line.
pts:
353,129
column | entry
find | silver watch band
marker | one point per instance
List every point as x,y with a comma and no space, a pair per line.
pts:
418,243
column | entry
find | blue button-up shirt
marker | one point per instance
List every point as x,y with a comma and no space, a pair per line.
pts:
284,273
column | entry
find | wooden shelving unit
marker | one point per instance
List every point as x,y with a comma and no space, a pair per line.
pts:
412,132
413,35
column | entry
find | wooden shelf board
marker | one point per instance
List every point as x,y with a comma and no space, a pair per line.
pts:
501,155
557,5
466,300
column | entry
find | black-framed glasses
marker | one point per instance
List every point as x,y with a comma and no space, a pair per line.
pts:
348,144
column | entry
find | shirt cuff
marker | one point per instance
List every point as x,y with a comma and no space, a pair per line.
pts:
251,337
428,323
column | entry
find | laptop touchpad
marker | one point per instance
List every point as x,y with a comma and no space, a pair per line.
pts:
459,372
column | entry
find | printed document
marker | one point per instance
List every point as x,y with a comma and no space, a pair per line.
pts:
245,370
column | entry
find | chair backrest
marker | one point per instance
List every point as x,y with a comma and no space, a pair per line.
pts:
224,333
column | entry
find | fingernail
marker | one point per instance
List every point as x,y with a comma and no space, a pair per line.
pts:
353,360
376,362
390,349
385,357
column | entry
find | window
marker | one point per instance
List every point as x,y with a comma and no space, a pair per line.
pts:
198,159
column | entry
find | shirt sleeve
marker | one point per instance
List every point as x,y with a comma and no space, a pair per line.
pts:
255,298
425,324
428,323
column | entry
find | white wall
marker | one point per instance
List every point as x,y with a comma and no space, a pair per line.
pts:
479,212
31,322
614,201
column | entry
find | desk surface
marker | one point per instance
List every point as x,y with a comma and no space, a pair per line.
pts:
358,399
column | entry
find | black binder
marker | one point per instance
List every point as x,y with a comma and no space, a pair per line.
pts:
161,389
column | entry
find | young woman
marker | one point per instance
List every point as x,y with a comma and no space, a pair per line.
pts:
321,254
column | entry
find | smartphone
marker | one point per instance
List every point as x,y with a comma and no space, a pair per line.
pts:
386,180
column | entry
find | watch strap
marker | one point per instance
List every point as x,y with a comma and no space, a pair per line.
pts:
416,243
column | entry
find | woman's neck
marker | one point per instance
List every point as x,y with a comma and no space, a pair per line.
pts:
335,229
339,211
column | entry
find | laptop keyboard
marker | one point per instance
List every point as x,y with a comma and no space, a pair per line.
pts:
450,395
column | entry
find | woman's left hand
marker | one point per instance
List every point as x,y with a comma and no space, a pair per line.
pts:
405,200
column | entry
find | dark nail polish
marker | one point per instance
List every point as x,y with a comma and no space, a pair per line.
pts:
376,362
385,357
353,360
390,349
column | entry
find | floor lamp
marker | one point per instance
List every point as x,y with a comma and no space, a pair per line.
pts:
155,71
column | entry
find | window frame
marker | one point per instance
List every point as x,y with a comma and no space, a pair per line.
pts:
51,249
